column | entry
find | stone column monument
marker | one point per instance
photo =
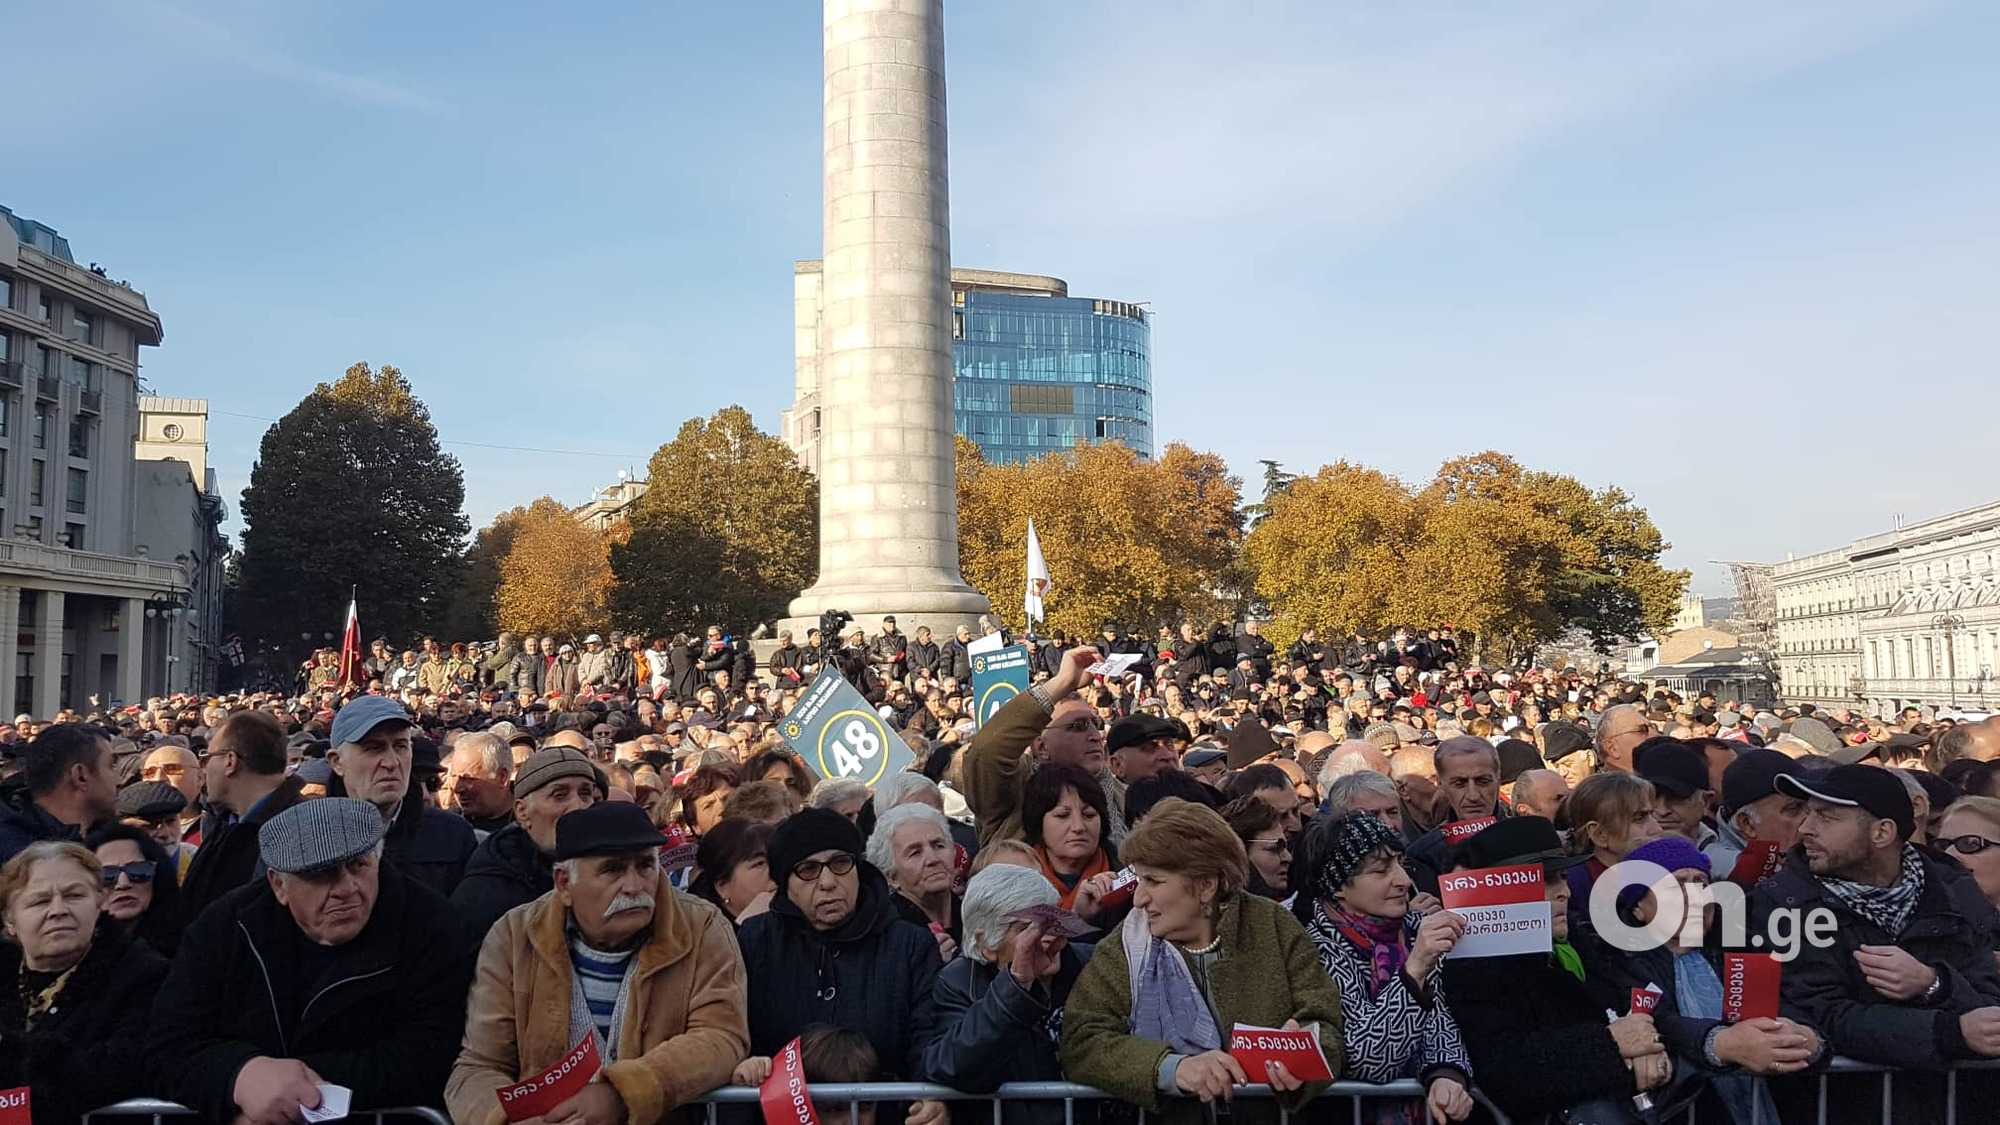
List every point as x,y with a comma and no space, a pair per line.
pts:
888,509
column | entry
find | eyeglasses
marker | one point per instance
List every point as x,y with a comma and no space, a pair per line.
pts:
1968,845
138,873
810,869
155,773
1278,846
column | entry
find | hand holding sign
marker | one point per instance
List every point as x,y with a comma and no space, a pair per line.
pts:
784,1095
1766,1046
1749,986
1503,910
544,1095
1286,1057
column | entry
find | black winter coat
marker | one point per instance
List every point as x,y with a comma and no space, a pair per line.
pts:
991,1030
229,853
505,871
923,656
956,661
1538,1039
872,974
684,670
427,844
88,1050
1954,930
383,1016
23,822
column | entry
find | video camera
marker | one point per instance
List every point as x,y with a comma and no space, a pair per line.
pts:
832,622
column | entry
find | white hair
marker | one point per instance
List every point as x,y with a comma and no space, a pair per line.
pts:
995,895
495,760
836,791
902,787
882,842
1344,791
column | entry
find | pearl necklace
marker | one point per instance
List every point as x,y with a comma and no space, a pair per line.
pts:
1204,950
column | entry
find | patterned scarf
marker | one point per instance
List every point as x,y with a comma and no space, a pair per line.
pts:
1889,907
1384,941
1167,1005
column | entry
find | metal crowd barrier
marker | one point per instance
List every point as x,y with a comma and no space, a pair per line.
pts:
160,1111
1069,1093
1839,1065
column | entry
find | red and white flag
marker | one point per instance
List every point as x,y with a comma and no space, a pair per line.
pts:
350,646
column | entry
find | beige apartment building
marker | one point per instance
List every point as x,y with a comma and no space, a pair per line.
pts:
82,604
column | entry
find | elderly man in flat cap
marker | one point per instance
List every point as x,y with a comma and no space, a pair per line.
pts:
333,968
373,754
616,953
516,865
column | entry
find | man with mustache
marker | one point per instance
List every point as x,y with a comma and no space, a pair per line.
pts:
654,976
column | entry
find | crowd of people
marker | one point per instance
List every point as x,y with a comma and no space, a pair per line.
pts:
437,878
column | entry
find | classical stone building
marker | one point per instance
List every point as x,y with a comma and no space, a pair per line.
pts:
80,605
1910,615
178,515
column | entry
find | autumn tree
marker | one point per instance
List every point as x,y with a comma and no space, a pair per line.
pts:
727,532
556,574
1328,553
1127,540
474,609
1513,556
351,490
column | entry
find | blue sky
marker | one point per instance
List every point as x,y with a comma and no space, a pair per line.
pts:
1739,259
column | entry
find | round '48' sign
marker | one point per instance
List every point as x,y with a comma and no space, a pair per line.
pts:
851,745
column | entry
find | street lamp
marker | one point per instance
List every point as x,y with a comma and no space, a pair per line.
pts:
1949,623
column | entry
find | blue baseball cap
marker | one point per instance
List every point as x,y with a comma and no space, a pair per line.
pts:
362,715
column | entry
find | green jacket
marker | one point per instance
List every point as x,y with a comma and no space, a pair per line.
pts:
1266,972
995,766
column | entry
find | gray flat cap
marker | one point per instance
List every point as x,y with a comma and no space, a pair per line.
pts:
1818,735
316,835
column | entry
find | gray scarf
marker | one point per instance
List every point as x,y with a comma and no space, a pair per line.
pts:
1889,907
1167,1005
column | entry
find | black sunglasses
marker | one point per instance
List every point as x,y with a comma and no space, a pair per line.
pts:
138,872
810,869
1968,845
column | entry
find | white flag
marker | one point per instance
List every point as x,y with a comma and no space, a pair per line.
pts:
1038,577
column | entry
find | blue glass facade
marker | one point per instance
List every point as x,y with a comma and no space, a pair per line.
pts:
1040,374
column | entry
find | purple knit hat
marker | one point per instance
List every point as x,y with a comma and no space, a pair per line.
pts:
1674,853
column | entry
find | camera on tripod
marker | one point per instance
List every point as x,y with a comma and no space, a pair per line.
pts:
830,624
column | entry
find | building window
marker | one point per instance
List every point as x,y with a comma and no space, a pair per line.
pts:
6,292
75,489
79,438
41,425
6,414
75,533
45,361
82,327
35,473
44,310
82,373
6,349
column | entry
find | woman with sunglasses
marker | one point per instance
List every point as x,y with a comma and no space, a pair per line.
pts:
1256,823
833,950
1970,831
140,891
74,994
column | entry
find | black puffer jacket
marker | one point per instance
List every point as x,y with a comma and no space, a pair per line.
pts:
872,974
88,1050
382,1015
992,1030
505,871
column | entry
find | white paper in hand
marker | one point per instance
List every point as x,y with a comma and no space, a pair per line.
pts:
333,1102
1117,664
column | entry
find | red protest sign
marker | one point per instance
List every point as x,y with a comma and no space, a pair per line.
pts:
786,1098
1644,1000
1760,860
1253,1047
1749,987
1123,886
14,1107
539,1095
1459,831
679,850
1504,909
1491,886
